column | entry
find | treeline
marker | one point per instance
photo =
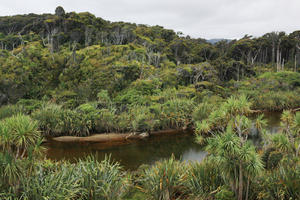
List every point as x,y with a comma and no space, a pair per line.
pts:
84,29
129,77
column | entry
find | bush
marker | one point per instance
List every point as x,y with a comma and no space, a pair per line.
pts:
19,134
9,110
55,182
56,121
202,179
102,180
142,119
177,112
29,105
164,180
281,183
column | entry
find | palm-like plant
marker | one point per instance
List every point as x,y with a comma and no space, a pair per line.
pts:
260,122
19,133
230,149
281,142
203,127
25,133
235,161
10,170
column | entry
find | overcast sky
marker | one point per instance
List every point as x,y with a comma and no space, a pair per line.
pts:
197,18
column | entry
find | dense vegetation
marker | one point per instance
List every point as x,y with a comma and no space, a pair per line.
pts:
76,74
233,169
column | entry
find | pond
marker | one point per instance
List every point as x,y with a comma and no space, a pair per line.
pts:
132,155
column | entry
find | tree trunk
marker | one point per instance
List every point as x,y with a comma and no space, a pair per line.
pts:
278,59
273,52
247,190
240,197
295,69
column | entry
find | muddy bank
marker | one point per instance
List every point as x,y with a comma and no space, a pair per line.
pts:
114,137
276,110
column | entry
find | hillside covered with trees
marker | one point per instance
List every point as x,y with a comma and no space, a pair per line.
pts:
72,66
74,74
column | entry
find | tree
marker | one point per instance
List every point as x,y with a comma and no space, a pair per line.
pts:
236,157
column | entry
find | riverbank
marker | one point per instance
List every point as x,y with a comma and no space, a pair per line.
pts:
114,137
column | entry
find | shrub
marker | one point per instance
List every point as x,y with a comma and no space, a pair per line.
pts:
202,111
164,180
55,182
202,179
19,134
107,119
29,105
9,110
142,119
177,112
281,183
10,172
56,121
102,180
49,119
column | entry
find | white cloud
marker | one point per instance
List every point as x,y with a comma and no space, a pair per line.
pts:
198,18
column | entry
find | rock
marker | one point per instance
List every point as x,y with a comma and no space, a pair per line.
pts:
59,11
144,135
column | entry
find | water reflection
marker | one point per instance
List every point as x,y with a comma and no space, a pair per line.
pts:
134,154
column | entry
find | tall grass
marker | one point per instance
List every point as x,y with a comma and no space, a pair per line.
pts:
202,179
56,182
102,180
56,121
163,181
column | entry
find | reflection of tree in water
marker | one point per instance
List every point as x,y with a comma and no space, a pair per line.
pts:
131,155
145,152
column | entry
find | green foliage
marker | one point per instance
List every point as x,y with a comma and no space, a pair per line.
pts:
55,182
281,183
102,180
54,120
177,112
100,76
142,119
272,91
19,134
9,110
163,180
29,105
203,179
224,194
10,172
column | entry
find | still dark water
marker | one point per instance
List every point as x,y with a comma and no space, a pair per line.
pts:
136,153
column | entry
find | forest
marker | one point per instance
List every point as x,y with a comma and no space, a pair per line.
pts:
75,74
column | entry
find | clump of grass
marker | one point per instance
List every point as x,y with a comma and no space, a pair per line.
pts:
202,179
164,180
57,181
102,180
